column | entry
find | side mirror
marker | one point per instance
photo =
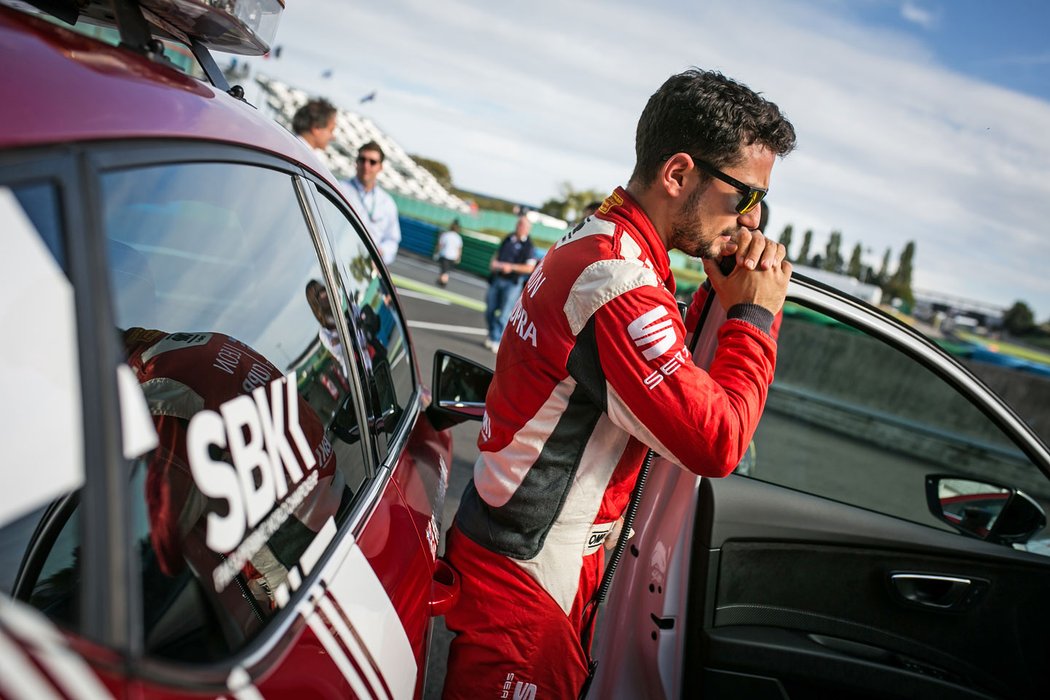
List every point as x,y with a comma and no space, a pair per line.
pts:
989,512
459,388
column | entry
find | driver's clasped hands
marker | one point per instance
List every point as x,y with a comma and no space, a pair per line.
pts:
760,277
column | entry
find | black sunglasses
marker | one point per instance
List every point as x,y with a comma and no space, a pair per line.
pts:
751,195
370,161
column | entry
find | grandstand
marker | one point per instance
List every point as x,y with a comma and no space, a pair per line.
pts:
401,175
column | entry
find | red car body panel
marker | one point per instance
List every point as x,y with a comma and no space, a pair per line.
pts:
62,86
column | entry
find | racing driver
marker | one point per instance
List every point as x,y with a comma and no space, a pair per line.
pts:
593,371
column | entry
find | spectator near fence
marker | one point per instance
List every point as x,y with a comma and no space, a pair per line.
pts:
514,261
449,251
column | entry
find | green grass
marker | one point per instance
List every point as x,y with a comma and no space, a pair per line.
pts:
1007,348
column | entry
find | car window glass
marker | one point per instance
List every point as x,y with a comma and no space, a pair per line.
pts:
40,490
40,204
378,324
853,419
221,307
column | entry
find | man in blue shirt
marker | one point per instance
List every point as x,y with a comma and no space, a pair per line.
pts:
512,264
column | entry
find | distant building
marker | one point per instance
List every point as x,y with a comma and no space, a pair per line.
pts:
957,312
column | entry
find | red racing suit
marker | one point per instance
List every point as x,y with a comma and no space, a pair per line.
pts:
592,371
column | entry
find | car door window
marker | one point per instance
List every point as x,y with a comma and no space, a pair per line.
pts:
852,418
221,305
377,322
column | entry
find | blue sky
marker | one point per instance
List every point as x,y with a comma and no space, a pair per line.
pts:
1001,42
924,120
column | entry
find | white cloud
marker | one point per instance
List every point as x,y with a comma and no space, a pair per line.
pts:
917,15
518,97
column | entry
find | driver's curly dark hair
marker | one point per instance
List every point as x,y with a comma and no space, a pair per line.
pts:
704,113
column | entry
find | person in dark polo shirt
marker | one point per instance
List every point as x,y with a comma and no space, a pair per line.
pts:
514,261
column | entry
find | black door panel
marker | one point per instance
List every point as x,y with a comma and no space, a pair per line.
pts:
781,664
801,591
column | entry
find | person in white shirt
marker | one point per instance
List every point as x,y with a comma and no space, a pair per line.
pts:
314,123
372,203
448,252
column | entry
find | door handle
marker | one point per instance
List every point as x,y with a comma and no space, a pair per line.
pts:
938,591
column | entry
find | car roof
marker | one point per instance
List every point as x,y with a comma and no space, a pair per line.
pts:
62,86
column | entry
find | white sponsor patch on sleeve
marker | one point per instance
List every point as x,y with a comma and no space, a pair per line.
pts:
39,376
652,332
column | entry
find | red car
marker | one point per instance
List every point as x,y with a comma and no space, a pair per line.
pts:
223,475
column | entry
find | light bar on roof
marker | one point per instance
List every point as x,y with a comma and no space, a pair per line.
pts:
244,27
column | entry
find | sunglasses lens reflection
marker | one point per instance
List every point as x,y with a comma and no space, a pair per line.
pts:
749,201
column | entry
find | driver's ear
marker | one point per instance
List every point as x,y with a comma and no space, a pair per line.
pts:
673,173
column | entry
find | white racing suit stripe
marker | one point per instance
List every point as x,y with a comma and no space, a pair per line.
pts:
498,475
557,566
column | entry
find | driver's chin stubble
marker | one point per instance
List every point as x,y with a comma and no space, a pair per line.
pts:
690,237
688,233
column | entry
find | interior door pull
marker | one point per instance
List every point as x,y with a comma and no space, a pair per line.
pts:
938,591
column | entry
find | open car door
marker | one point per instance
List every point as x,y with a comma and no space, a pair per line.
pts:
888,540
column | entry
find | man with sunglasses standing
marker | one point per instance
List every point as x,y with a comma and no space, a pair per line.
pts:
599,373
376,208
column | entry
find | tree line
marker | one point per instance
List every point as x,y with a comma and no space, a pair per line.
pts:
1018,320
894,285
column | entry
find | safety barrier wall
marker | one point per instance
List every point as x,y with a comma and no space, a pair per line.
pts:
420,237
483,220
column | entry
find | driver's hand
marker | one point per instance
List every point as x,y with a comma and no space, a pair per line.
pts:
760,277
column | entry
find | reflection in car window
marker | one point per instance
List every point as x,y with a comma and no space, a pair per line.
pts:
853,419
379,327
215,282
